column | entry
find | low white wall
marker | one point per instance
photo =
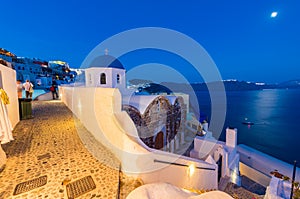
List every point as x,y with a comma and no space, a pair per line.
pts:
230,161
45,97
265,163
278,189
255,175
9,84
99,109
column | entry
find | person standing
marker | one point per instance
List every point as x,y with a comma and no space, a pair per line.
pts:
54,91
28,88
30,91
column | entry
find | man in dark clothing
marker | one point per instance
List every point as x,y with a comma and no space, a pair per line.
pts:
54,91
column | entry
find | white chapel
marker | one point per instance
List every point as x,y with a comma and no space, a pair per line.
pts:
105,71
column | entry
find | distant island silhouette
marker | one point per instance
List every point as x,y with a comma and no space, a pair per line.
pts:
230,85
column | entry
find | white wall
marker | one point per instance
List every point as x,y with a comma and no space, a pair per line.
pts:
265,163
122,83
99,109
9,84
230,161
255,175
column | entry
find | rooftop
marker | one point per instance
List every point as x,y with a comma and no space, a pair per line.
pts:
106,61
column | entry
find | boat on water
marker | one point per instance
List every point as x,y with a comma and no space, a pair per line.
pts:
248,123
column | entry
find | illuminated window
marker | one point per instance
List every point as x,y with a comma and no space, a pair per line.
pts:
90,79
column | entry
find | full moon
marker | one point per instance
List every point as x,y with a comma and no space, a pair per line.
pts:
274,14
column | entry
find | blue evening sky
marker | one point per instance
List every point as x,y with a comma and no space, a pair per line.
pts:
240,36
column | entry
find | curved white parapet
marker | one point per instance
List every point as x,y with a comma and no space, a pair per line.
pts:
265,163
159,190
99,110
165,190
44,97
212,195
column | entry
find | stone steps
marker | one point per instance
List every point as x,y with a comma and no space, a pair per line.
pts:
223,183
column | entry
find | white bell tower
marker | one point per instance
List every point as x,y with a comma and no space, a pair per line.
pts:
105,71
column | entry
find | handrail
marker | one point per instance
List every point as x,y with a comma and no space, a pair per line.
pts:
183,165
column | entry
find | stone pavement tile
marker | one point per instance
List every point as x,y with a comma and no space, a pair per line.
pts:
240,192
49,145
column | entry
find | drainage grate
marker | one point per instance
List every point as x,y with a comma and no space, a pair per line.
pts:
44,156
30,185
80,187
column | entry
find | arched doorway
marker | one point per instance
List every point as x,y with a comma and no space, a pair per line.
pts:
219,163
102,78
159,140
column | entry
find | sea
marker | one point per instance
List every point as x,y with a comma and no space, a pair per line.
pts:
275,114
35,93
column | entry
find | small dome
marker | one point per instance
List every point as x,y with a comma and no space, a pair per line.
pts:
106,61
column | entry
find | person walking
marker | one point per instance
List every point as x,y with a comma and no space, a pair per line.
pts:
54,91
28,88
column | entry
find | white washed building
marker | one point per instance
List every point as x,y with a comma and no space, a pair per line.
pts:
101,105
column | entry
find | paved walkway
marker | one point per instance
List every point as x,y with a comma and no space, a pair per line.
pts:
49,144
56,144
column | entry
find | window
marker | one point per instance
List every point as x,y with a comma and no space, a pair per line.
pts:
118,79
102,78
90,79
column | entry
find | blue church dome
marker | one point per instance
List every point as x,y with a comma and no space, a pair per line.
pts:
106,61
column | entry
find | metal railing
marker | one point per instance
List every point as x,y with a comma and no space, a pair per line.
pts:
182,165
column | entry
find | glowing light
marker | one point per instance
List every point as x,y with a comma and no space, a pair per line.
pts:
274,14
235,176
58,62
191,170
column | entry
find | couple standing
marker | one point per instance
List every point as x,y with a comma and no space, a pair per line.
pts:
28,89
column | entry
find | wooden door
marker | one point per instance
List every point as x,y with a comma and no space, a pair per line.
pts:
159,140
